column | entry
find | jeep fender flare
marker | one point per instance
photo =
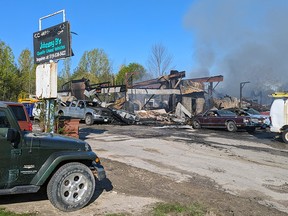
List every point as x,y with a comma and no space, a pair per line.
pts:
58,158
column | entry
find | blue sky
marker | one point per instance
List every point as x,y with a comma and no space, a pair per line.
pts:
126,30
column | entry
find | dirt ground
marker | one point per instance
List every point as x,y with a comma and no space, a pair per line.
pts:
229,173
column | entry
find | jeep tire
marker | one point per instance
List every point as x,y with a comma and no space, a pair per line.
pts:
71,187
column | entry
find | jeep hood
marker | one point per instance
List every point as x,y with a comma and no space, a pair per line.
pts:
55,141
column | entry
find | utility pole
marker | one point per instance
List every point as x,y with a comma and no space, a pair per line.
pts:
242,84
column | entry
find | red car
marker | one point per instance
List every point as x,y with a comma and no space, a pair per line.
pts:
21,115
223,119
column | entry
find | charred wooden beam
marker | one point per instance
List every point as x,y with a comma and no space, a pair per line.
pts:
208,79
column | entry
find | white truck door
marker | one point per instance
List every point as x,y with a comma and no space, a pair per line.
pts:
278,113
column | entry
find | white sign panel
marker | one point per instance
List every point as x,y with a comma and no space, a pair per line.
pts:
46,80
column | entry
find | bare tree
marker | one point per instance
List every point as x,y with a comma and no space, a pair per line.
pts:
160,60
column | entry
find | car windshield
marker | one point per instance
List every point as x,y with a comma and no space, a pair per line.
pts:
226,113
91,104
253,111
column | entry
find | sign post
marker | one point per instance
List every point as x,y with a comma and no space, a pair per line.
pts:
50,45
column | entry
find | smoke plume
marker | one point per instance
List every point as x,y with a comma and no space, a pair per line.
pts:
243,40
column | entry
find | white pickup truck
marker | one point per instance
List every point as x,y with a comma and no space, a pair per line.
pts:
279,115
89,111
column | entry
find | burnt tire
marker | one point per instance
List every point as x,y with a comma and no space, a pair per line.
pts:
196,124
285,136
71,187
231,126
88,119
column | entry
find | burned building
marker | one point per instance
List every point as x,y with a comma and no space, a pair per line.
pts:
164,92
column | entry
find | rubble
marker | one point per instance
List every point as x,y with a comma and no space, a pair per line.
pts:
159,116
226,102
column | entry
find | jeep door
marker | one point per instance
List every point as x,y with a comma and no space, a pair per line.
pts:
9,156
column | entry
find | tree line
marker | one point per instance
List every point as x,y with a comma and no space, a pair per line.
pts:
19,77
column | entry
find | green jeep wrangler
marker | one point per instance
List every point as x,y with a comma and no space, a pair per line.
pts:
30,160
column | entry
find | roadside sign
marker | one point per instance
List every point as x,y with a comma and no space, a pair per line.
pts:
52,43
46,80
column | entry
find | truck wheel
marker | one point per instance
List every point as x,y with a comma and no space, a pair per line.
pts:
196,125
285,136
231,127
71,187
88,119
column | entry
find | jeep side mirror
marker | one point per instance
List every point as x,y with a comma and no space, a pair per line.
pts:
13,136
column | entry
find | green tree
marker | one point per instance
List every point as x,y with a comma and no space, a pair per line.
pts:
9,89
65,74
133,70
95,66
27,72
160,60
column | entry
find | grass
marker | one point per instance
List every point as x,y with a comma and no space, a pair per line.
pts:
4,212
163,209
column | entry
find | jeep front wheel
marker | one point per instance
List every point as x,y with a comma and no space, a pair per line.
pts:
71,187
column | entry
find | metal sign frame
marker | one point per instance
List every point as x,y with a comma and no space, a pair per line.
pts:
50,15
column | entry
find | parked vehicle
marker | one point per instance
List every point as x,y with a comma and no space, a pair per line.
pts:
89,111
21,115
259,120
279,116
223,119
28,101
29,161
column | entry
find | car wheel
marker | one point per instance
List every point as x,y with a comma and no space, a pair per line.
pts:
231,126
88,119
196,125
71,187
285,136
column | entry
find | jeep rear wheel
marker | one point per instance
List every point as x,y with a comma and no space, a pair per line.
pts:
231,126
285,136
71,187
88,119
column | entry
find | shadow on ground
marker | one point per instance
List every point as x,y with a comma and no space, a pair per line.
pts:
85,132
